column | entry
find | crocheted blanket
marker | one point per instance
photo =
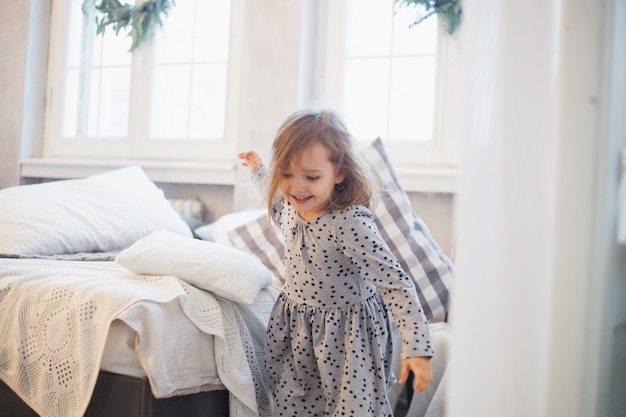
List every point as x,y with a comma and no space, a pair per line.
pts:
55,316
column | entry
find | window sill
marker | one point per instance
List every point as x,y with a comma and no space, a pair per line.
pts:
431,180
165,172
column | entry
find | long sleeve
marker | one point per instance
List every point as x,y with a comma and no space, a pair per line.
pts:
260,178
362,243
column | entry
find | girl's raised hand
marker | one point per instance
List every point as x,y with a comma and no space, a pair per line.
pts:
250,159
422,375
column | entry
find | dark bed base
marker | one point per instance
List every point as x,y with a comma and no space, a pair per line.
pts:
125,396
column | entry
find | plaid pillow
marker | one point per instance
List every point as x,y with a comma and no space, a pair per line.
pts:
409,239
262,238
405,233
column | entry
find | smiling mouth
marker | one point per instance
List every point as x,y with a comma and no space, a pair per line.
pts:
301,199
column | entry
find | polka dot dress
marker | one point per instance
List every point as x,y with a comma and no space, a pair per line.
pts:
329,342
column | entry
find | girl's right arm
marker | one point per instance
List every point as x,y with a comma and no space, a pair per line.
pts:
253,161
259,177
250,159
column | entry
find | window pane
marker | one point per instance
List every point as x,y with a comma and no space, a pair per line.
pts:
175,40
392,96
368,27
81,103
96,103
208,101
83,48
114,49
413,40
87,48
195,31
170,102
189,98
189,105
97,90
366,93
212,31
412,97
114,102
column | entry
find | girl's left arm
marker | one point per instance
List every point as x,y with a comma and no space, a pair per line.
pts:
363,244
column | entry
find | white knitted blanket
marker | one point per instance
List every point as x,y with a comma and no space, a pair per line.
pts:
55,316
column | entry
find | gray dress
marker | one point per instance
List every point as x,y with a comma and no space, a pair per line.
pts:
329,342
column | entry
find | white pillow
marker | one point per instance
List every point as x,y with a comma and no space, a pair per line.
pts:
223,270
217,231
104,212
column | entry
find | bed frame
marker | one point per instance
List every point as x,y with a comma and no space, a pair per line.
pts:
125,396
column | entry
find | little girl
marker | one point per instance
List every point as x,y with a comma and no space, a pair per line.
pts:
329,343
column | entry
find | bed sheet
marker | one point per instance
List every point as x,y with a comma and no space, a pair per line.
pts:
55,317
120,355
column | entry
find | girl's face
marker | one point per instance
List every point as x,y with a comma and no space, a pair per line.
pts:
309,181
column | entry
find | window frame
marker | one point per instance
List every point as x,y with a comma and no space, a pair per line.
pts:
136,145
439,157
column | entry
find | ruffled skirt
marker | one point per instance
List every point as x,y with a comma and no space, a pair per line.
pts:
330,361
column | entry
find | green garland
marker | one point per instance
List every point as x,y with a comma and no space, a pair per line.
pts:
143,20
448,10
140,21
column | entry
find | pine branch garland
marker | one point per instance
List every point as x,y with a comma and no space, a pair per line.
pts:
448,10
140,21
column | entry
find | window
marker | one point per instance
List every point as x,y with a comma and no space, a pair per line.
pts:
388,77
173,98
183,102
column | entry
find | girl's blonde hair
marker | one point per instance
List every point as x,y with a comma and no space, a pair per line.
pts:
305,128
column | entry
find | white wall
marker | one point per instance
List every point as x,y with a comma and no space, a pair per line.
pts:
14,46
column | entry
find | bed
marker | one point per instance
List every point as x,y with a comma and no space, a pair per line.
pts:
112,305
108,303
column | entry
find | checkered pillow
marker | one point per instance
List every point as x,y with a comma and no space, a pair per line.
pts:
409,239
405,233
262,238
